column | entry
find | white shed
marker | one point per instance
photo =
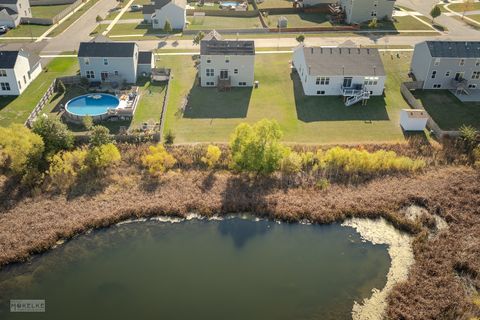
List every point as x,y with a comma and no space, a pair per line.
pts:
413,119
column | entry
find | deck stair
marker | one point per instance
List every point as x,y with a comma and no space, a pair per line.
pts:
336,12
460,86
354,95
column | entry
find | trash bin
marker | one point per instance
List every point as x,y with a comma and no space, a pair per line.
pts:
256,84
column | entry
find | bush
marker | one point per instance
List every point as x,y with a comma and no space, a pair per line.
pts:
364,162
257,148
373,24
300,38
212,156
291,163
476,157
99,19
103,156
20,149
100,135
54,133
87,122
468,134
169,137
158,160
66,166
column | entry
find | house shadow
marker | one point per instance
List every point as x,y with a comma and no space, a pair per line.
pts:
5,101
332,108
210,103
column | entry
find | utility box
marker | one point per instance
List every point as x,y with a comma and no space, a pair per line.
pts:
413,119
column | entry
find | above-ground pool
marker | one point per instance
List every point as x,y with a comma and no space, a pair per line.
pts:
92,104
229,4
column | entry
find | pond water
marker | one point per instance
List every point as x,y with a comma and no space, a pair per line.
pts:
234,268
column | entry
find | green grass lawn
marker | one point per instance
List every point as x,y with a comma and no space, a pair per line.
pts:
127,15
400,23
26,30
74,17
475,17
211,116
460,7
17,109
48,12
131,28
300,20
275,4
447,111
209,22
149,108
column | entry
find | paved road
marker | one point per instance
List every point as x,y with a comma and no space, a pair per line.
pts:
80,30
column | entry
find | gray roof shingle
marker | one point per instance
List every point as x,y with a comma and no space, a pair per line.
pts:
215,46
343,61
8,1
106,49
8,59
454,49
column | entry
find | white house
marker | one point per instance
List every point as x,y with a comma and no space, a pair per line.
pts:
107,61
355,73
226,63
12,11
413,119
17,70
358,11
161,11
146,63
448,65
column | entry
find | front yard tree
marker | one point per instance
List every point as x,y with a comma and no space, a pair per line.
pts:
435,13
100,135
300,38
54,133
167,27
198,37
257,148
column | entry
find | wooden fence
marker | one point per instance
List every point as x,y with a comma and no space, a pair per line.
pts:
406,89
41,104
50,21
164,106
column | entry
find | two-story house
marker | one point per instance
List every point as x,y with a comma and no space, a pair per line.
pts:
354,73
226,63
107,61
450,65
161,11
12,12
17,70
359,11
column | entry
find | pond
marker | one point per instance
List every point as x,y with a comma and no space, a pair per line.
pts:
235,268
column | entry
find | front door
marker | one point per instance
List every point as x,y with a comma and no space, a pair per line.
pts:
347,82
104,75
459,76
224,74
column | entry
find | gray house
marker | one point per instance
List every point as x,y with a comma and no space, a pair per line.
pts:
161,11
358,11
106,61
451,65
12,12
226,63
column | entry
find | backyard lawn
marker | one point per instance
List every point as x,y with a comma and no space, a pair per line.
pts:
300,20
447,111
17,109
48,12
211,116
275,4
210,22
26,30
400,23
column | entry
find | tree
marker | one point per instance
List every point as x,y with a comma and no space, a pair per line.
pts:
54,133
169,137
99,19
66,166
100,135
212,156
257,148
300,38
436,12
198,37
87,122
103,156
469,134
158,160
20,149
373,24
167,27
291,163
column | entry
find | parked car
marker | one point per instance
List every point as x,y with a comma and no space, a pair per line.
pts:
136,7
3,29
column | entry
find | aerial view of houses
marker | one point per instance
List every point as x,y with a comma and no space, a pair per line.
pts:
240,159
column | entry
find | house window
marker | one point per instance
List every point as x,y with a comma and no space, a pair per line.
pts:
434,74
155,21
462,62
3,73
209,59
235,71
323,81
115,73
24,80
472,86
321,92
437,86
317,82
447,74
29,75
210,83
374,13
210,72
90,74
437,62
227,59
477,63
242,83
105,61
19,85
476,75
5,86
370,81
86,61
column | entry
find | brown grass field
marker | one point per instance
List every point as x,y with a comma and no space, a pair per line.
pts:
441,283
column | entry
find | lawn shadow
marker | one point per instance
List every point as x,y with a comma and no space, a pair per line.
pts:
5,101
208,103
332,108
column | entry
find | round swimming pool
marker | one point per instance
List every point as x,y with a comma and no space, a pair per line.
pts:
92,104
229,4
